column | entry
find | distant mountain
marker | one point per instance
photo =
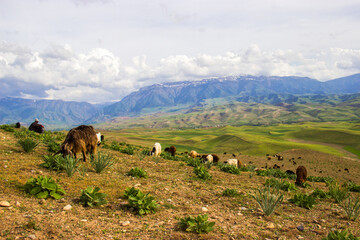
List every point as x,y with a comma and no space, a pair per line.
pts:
49,112
243,87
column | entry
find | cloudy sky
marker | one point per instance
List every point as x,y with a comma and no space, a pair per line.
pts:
102,50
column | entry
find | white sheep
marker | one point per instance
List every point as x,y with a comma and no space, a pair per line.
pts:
209,158
233,162
193,154
156,151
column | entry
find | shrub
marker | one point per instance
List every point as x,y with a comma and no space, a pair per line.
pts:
275,173
230,192
229,169
91,197
28,144
101,162
199,224
7,128
352,186
268,200
193,162
137,172
352,208
338,193
303,200
142,203
340,235
202,173
69,164
43,187
282,185
319,179
249,168
319,194
128,150
53,146
131,192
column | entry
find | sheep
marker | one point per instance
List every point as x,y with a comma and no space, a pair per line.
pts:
17,125
207,158
276,166
301,175
194,154
156,151
232,162
80,139
171,150
215,158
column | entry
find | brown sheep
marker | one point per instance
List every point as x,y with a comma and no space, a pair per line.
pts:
171,150
301,175
215,158
194,154
80,139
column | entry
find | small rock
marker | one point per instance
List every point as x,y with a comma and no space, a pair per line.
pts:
243,208
67,207
270,226
318,226
17,204
204,209
323,220
62,200
299,237
4,204
169,200
83,220
32,236
137,185
5,166
300,228
239,214
42,201
125,223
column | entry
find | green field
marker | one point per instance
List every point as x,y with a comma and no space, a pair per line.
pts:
251,140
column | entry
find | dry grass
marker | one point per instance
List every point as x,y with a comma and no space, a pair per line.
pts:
175,188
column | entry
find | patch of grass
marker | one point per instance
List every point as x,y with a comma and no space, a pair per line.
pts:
303,200
70,165
338,193
319,194
142,203
320,179
353,187
199,224
268,199
230,192
7,128
340,235
101,162
352,208
275,173
230,169
52,162
202,173
28,144
282,185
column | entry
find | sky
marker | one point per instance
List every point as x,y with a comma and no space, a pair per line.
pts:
102,50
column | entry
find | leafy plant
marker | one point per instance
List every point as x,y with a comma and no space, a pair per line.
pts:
230,192
282,185
352,208
43,187
319,194
53,162
353,187
7,128
202,173
28,144
92,197
193,162
338,193
340,235
69,164
131,192
142,203
319,179
137,172
199,224
230,169
303,200
101,162
268,200
275,173
53,146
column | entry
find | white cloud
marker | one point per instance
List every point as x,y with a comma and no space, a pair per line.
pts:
99,75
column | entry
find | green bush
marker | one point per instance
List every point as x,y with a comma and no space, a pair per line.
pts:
338,193
28,144
230,192
142,203
193,162
352,208
303,200
268,200
229,169
352,186
282,185
7,128
137,172
319,179
101,162
91,197
43,187
202,173
275,173
131,192
53,146
199,224
319,194
340,235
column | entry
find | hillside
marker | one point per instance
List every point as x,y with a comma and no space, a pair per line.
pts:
175,188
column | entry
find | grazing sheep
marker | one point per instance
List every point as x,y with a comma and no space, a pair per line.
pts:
301,175
347,170
171,150
207,158
17,125
80,139
215,158
156,150
194,154
269,158
232,162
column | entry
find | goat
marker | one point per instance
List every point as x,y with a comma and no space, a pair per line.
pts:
301,175
156,150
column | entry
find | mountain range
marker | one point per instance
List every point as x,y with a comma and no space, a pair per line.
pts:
172,97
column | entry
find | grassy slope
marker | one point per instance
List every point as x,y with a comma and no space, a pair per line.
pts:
174,187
